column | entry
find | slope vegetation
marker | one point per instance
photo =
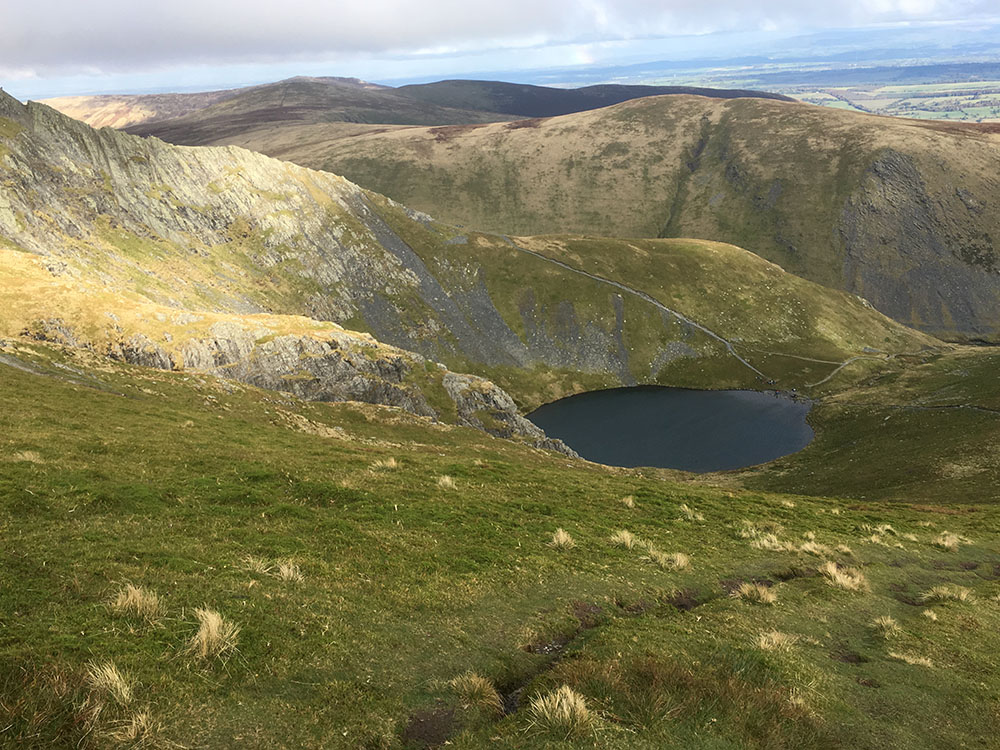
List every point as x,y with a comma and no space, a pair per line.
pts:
372,604
902,213
233,232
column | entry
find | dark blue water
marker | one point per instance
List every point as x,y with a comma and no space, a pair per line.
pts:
676,428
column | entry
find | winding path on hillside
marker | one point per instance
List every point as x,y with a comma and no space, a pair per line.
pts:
642,295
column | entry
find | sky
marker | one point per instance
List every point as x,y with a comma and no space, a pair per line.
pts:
61,47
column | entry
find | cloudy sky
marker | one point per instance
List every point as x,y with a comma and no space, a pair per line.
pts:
78,46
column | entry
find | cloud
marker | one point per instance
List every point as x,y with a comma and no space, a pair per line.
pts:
59,37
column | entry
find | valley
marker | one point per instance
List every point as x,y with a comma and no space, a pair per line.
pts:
286,393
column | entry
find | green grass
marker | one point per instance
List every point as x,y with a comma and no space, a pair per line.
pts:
407,586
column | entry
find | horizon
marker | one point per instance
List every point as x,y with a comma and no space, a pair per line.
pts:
39,63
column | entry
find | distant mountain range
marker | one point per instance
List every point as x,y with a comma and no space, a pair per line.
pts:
212,117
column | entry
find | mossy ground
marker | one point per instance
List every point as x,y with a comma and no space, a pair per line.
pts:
169,481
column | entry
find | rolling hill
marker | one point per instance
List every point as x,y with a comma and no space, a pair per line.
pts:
902,213
234,232
243,504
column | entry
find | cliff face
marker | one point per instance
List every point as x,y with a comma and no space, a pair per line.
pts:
177,259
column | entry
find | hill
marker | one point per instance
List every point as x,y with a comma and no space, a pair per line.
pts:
525,100
232,515
902,213
233,232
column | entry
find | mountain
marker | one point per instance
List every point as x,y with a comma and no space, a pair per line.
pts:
237,233
903,213
297,112
525,100
244,505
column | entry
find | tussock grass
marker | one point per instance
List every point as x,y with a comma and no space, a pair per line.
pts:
562,540
809,536
765,535
787,504
849,579
912,659
886,626
288,570
628,501
668,561
757,593
625,539
771,543
138,731
384,464
844,549
475,691
690,514
258,565
930,614
106,679
30,457
947,592
774,640
216,636
563,712
814,548
138,602
445,482
947,541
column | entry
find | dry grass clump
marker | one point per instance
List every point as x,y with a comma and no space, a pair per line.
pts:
107,679
947,592
844,549
690,514
445,482
764,535
757,593
287,570
771,543
776,641
563,712
135,601
668,561
930,614
30,457
475,691
384,464
625,539
912,660
216,636
882,529
886,626
910,537
562,540
140,730
947,541
628,501
809,536
258,565
787,504
849,579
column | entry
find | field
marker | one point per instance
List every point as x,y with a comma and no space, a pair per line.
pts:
366,587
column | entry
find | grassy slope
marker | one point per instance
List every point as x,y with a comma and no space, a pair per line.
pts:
927,433
795,331
171,484
773,177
